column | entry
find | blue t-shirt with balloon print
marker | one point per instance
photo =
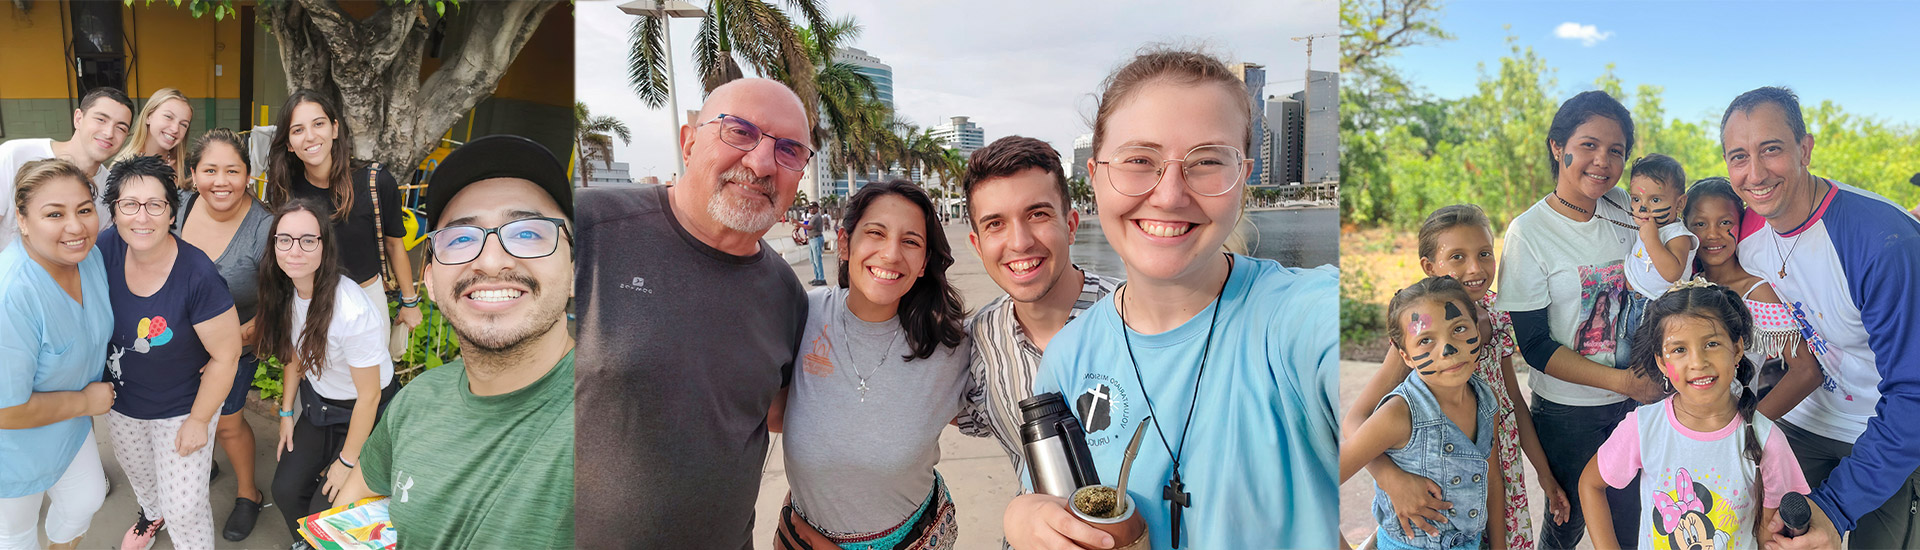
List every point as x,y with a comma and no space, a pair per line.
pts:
155,355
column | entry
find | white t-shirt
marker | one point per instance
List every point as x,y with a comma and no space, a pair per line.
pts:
1644,278
1575,270
17,153
357,339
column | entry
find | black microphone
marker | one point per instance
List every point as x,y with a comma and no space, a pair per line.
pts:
1795,513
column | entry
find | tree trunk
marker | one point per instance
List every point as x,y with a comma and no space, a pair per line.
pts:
371,67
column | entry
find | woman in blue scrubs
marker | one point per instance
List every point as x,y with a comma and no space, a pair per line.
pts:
54,325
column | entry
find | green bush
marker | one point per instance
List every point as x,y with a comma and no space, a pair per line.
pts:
429,345
1361,319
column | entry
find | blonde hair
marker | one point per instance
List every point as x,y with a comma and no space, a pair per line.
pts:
34,175
137,143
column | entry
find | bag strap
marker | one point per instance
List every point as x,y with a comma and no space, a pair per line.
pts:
379,230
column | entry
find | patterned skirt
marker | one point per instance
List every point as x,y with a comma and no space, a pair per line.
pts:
932,527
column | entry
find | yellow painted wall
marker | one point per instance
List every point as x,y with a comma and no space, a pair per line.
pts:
543,72
32,42
170,49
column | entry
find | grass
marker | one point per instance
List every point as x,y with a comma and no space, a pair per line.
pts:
1374,263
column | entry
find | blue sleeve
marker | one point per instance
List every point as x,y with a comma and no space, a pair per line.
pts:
1886,292
209,296
1312,346
19,346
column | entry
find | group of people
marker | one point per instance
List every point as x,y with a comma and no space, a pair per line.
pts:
160,320
1229,355
1700,350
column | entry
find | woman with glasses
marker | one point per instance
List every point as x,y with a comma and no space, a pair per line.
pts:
311,159
331,337
55,321
221,217
1234,358
176,340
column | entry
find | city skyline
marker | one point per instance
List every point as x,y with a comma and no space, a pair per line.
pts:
1033,76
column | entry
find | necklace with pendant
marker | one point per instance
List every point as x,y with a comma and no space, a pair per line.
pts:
1796,238
851,361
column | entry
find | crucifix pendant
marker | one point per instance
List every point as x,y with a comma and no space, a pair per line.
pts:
1783,273
1175,495
863,391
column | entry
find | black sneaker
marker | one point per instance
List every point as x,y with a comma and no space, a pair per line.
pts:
240,523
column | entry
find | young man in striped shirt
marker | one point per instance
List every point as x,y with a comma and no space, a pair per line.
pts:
1023,224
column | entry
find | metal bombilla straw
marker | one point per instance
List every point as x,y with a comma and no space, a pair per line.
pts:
1126,463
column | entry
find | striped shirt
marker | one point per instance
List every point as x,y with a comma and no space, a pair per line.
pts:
1004,364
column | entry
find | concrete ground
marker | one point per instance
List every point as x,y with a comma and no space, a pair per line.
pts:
978,473
121,510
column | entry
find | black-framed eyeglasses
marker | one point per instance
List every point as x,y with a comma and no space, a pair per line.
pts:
284,242
743,135
156,207
1210,170
525,238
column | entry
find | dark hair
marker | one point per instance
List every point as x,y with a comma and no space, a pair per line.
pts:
1660,168
1161,62
283,165
1777,95
931,311
151,166
1442,287
36,174
1576,111
273,333
1713,303
105,92
1711,187
1449,217
217,135
1008,156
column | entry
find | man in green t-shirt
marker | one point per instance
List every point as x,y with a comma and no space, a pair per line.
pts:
479,452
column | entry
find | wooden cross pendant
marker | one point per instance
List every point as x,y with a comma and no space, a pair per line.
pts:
1175,495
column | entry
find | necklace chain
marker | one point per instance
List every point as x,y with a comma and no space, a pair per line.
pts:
1556,196
855,363
1796,238
1172,450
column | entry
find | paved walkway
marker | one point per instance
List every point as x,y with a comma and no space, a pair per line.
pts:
977,471
121,510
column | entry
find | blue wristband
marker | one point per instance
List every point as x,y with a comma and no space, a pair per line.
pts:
285,414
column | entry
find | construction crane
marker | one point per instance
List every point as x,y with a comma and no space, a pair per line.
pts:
1309,40
1307,124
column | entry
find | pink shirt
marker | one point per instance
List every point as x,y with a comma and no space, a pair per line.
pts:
1679,464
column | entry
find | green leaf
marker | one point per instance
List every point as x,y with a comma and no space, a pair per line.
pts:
440,8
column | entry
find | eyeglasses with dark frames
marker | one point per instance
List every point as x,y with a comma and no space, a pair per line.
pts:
130,207
745,136
284,242
524,238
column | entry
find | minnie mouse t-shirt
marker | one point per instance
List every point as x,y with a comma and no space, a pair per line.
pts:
1697,487
155,356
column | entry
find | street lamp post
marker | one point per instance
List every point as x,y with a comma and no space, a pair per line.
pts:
668,10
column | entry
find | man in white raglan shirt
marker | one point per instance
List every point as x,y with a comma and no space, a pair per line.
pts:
1848,264
99,128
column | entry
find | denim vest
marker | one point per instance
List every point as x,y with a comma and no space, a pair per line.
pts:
1438,450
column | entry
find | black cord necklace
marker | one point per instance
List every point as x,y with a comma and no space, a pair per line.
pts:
1563,202
1175,491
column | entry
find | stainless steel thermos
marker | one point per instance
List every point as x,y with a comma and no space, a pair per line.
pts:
1058,461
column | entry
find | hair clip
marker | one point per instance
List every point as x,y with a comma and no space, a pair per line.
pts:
1698,281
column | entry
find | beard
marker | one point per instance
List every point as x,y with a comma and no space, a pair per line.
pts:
499,333
743,214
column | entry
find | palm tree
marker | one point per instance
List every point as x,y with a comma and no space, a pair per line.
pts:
591,139
734,31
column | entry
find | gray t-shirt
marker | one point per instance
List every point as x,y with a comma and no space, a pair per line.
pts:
816,225
861,466
682,349
240,263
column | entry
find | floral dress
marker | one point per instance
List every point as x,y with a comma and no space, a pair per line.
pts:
1507,438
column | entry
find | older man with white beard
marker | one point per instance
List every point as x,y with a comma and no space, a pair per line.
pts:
688,326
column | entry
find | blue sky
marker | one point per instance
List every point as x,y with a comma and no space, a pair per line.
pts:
1862,55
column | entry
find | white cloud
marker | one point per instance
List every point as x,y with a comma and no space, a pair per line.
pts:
1588,35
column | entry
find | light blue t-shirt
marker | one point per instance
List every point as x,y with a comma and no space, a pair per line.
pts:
48,343
1260,459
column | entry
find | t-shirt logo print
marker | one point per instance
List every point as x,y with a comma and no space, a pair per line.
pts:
818,361
153,332
639,283
1096,407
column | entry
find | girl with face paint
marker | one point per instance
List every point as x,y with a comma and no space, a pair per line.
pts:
1457,241
1782,345
1710,470
1438,425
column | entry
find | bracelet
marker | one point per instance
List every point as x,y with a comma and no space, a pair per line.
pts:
406,302
286,413
343,462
